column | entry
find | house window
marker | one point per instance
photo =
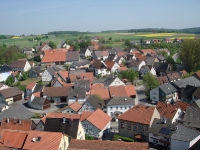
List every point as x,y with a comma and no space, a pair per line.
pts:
86,130
117,108
155,135
124,107
120,107
155,141
146,128
122,124
110,108
129,126
135,127
72,111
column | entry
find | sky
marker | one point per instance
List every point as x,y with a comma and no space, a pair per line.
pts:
27,17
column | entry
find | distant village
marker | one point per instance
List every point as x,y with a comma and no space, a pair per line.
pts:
80,101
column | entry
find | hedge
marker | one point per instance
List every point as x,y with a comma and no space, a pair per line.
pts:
116,137
87,137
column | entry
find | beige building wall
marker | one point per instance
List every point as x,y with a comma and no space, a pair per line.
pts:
64,142
81,132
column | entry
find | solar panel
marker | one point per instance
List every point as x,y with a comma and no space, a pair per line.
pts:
165,131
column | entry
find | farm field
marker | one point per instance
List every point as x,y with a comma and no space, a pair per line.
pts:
23,41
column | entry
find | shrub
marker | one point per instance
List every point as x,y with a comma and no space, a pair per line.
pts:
116,137
87,137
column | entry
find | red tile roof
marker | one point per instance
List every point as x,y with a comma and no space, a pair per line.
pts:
121,54
109,64
139,114
198,74
30,85
123,68
51,56
166,110
60,115
99,119
16,124
14,139
76,106
48,141
127,90
98,86
102,92
85,115
182,105
64,74
86,75
106,145
151,51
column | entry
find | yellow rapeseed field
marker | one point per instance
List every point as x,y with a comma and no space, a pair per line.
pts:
167,35
15,37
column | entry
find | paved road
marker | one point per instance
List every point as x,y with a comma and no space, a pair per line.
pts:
175,56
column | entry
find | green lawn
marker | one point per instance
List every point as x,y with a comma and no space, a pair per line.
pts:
23,42
27,81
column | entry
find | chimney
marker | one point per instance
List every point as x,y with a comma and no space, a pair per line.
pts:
20,122
64,120
8,120
165,120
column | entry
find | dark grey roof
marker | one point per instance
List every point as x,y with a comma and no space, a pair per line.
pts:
79,63
149,60
111,56
98,81
192,117
187,81
95,102
82,83
184,134
188,91
197,92
158,124
161,58
83,50
160,66
109,81
167,88
98,53
114,50
52,70
5,68
39,101
72,56
70,127
135,63
79,91
197,102
38,88
121,100
37,69
16,111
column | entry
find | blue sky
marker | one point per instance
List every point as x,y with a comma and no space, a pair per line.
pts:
42,16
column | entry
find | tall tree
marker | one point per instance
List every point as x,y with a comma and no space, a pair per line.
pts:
127,43
9,81
189,54
129,74
150,82
52,44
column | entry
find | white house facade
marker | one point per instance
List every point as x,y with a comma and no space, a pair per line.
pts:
46,76
102,72
115,67
154,94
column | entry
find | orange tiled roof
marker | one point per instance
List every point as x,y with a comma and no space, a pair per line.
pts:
166,110
14,139
15,73
182,105
109,64
106,145
76,106
85,115
148,51
16,124
30,85
123,68
51,56
103,93
99,119
140,114
136,52
60,115
48,140
127,90
64,74
86,75
98,86
37,94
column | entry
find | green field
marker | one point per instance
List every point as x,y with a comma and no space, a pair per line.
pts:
23,42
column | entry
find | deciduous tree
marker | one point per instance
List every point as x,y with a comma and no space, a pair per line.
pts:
150,82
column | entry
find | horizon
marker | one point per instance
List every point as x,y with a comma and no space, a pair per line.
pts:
41,17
